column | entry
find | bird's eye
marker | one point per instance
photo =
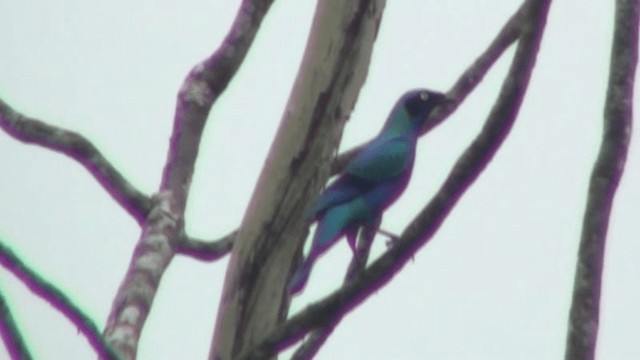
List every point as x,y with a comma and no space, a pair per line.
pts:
424,96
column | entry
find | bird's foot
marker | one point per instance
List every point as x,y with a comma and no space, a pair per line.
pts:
392,239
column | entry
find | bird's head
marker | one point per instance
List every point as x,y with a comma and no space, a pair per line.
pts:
411,111
419,104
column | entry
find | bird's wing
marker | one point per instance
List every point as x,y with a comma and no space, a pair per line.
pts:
380,161
344,189
377,162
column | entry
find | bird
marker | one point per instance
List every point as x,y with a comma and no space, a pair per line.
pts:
370,182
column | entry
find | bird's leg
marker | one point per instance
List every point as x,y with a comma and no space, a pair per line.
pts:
393,239
361,252
352,237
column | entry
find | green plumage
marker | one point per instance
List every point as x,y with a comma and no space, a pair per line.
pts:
371,181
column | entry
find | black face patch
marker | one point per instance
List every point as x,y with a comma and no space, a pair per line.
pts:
418,103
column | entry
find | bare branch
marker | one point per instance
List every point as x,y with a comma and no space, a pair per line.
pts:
10,333
57,299
203,249
201,88
468,168
77,147
318,337
153,253
585,309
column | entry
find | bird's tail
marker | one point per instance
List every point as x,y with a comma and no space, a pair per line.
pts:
299,279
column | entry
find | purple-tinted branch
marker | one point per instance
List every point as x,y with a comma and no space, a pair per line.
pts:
466,83
318,337
10,333
467,169
77,147
203,249
584,315
57,299
201,88
165,225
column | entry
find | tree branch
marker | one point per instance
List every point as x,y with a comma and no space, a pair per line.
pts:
468,168
57,299
201,88
153,253
10,333
358,263
607,171
203,249
77,147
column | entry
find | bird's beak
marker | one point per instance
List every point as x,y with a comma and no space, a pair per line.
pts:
448,99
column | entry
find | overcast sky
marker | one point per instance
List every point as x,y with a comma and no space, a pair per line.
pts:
494,283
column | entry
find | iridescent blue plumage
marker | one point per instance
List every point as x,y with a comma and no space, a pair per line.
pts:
373,180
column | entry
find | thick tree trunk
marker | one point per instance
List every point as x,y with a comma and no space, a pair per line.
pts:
333,70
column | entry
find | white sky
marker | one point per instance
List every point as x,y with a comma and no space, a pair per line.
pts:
495,282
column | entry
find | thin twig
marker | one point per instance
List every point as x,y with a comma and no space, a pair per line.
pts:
10,333
57,299
424,226
358,263
206,250
584,315
77,147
